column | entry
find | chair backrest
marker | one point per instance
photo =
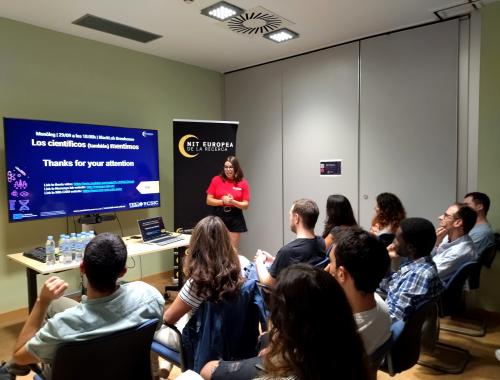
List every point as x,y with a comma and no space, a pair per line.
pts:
406,335
386,238
225,330
452,298
122,355
378,356
323,263
485,259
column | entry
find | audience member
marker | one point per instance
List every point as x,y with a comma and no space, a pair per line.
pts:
418,279
338,213
306,248
389,212
454,246
313,334
481,234
359,261
213,272
107,308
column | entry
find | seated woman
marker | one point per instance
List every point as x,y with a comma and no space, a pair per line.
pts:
213,271
389,212
313,334
338,214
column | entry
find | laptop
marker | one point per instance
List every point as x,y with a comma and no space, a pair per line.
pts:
153,232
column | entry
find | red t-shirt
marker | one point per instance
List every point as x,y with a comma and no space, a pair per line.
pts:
218,188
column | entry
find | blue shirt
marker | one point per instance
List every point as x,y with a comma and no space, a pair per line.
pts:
450,256
130,305
413,283
482,236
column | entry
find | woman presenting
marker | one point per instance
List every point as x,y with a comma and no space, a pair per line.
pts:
229,193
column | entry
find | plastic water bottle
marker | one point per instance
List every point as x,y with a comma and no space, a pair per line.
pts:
66,250
79,247
50,251
72,245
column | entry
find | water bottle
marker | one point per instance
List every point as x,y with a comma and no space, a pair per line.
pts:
73,245
50,251
79,247
60,244
66,253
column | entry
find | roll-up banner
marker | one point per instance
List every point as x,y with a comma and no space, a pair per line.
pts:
200,148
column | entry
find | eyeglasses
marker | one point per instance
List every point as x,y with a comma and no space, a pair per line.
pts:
445,215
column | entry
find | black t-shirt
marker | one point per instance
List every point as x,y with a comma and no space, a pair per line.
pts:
309,251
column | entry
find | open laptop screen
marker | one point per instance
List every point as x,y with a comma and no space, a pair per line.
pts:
151,228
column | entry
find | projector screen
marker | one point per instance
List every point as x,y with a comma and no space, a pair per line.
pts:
57,169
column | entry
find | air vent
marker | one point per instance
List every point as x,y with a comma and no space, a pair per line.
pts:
111,27
256,22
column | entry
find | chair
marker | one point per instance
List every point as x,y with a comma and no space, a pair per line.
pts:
220,330
122,355
377,357
451,302
323,263
404,350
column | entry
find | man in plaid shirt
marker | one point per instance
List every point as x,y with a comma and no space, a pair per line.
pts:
418,279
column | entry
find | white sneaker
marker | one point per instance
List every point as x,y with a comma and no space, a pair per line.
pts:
497,354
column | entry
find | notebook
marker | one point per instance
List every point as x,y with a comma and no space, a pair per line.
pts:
153,231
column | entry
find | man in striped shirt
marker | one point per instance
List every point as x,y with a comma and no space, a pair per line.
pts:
418,279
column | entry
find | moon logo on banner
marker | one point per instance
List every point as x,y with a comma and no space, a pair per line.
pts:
182,150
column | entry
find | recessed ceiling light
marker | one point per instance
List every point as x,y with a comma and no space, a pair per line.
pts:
222,11
281,35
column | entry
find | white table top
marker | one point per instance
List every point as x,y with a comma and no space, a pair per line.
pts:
135,247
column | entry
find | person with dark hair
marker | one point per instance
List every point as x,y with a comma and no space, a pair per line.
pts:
213,272
454,247
359,261
107,308
313,334
389,212
417,280
306,248
229,194
338,213
481,234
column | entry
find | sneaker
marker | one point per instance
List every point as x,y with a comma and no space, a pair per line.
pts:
14,370
497,354
4,372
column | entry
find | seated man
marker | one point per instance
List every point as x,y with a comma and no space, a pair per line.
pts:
306,248
359,261
107,308
481,234
454,246
417,280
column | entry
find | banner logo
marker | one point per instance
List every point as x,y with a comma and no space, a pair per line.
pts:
182,148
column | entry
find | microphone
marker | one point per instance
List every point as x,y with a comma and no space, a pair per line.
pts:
187,231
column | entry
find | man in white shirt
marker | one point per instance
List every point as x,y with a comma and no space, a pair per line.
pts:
482,234
359,261
454,247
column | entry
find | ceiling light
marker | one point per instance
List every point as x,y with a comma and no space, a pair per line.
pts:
222,11
458,10
281,35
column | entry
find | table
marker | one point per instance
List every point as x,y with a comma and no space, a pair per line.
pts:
135,247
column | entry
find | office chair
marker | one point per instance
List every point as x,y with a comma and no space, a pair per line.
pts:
404,350
220,330
474,326
442,356
377,357
123,355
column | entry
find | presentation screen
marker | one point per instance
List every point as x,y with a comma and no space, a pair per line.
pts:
57,169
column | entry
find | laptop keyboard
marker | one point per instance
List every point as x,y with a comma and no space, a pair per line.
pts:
166,240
